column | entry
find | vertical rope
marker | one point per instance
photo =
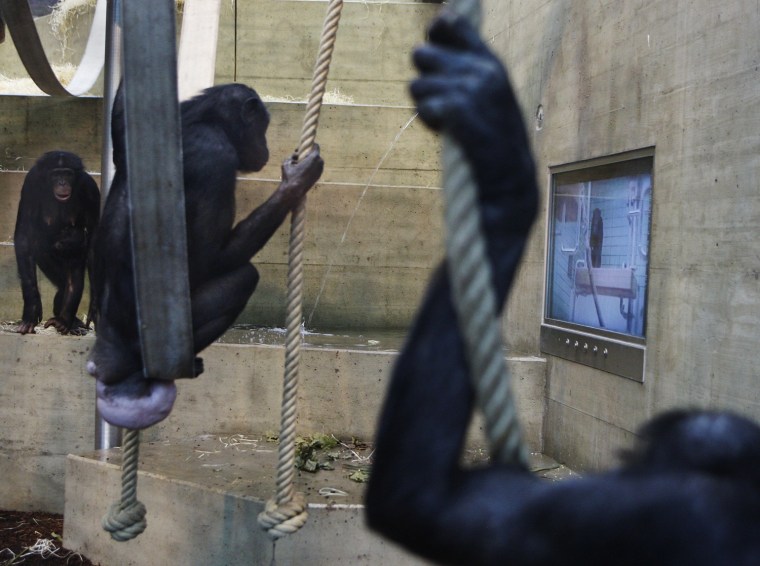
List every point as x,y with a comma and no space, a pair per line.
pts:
287,513
126,518
474,297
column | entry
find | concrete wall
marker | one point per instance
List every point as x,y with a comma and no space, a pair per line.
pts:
373,235
680,75
374,222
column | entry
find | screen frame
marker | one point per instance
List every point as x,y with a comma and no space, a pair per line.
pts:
615,352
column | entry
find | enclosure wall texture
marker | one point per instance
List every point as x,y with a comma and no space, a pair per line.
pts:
373,223
679,75
373,236
682,76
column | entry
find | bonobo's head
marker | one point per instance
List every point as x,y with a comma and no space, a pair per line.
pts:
239,110
60,169
710,442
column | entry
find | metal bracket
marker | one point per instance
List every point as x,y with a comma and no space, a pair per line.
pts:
613,356
156,190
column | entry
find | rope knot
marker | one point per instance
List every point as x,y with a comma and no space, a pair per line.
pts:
284,519
125,522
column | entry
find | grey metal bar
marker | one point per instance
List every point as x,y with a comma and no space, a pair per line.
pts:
112,72
154,165
107,435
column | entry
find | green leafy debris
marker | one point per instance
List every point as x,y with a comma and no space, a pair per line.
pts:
309,452
360,476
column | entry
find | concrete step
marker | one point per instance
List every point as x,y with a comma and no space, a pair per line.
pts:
368,254
203,496
47,401
373,227
360,144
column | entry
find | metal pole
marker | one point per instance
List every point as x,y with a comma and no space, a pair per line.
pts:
107,435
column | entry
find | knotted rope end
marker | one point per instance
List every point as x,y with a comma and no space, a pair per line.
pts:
125,523
284,519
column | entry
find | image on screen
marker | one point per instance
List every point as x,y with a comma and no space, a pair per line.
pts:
599,247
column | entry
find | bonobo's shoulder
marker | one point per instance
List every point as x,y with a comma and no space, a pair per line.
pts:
218,95
206,146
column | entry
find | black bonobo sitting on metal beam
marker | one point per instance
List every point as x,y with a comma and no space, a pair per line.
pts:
223,131
688,493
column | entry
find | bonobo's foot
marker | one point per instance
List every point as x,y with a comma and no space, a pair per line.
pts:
125,397
75,327
135,402
26,327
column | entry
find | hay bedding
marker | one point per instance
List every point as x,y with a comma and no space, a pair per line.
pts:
34,538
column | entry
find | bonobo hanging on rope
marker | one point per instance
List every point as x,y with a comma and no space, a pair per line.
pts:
689,493
223,131
57,216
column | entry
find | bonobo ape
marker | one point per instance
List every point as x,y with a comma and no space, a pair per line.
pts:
57,216
223,131
689,493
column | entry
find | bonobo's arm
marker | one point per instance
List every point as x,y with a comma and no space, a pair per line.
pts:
691,497
418,493
23,243
254,231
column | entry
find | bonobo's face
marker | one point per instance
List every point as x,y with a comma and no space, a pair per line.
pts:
62,180
254,153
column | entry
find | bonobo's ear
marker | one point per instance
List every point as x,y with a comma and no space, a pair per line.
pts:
252,107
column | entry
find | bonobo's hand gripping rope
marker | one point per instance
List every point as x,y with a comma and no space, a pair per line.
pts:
474,297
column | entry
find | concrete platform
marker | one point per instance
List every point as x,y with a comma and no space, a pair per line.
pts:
48,401
203,495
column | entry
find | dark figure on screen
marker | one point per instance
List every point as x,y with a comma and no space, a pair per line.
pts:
57,216
689,493
596,240
223,131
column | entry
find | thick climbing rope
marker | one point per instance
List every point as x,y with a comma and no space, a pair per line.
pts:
474,297
126,518
157,205
287,512
156,213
